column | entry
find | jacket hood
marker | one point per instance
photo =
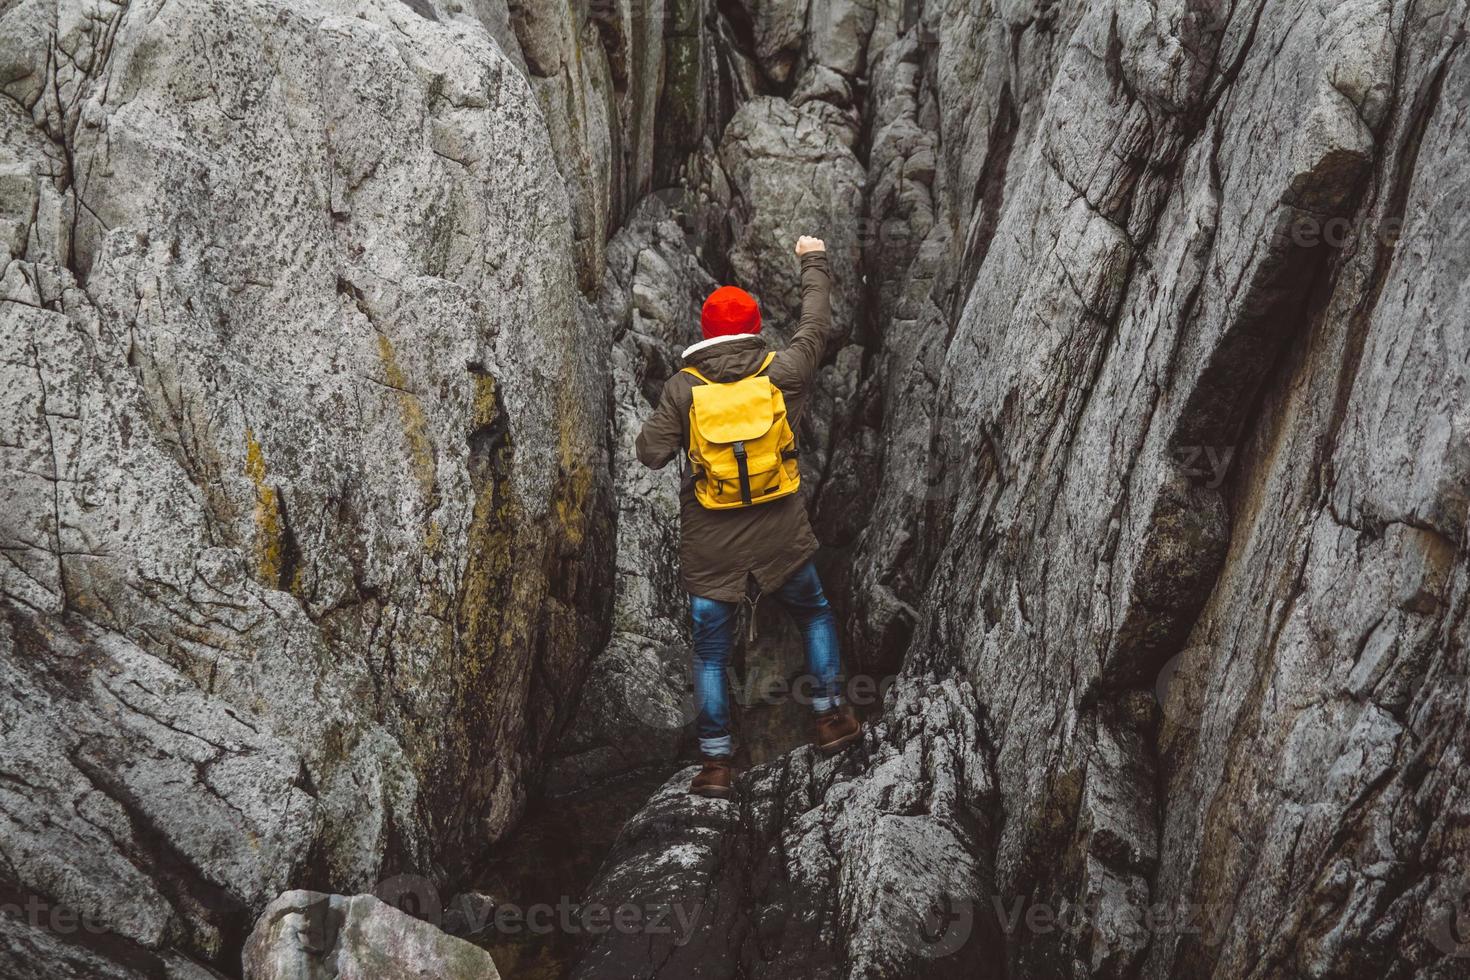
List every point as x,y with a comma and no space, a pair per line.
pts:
727,358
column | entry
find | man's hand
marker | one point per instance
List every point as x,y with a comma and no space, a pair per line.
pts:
806,244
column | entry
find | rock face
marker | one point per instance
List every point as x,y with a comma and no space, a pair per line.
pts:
1159,480
1141,464
637,704
307,524
814,849
310,936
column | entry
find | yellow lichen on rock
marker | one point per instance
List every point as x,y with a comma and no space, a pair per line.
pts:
415,423
268,529
483,409
274,553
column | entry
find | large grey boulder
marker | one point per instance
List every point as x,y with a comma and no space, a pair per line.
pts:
305,518
776,30
791,169
305,935
129,797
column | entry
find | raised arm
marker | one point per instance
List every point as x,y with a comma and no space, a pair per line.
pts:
803,355
662,435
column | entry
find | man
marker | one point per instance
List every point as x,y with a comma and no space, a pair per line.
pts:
770,540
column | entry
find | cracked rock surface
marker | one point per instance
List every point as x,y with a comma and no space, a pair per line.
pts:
1139,461
307,532
1155,454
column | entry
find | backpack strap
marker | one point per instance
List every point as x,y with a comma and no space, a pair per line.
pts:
793,452
695,372
744,466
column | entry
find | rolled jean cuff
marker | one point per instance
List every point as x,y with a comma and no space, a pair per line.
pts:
715,748
822,705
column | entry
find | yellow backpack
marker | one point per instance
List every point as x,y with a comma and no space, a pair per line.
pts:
740,442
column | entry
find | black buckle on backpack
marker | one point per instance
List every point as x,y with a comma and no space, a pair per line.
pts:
740,461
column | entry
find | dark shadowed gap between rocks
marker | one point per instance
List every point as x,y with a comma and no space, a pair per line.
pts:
558,848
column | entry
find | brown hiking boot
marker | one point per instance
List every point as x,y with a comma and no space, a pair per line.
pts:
714,779
837,729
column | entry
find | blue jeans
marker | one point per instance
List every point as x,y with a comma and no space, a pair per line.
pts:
714,636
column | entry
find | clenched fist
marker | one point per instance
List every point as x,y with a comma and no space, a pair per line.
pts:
806,244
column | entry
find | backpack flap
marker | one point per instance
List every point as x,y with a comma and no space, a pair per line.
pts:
737,412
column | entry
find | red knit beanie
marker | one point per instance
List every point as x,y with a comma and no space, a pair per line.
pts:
729,310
